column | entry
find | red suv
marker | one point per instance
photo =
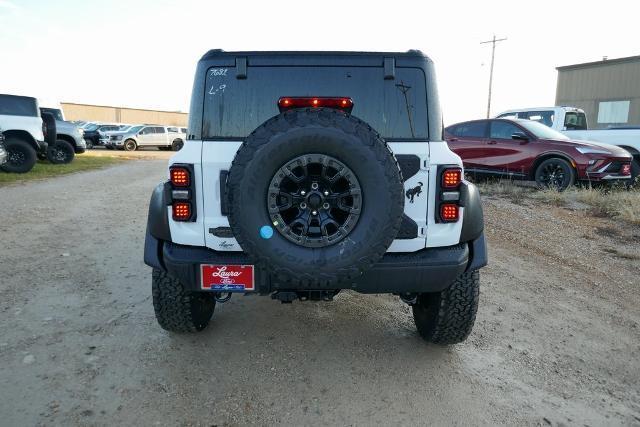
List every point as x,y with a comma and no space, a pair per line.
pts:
529,150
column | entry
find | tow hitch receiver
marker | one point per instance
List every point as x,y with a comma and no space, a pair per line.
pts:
287,297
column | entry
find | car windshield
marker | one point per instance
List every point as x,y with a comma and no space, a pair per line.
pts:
91,128
135,128
541,131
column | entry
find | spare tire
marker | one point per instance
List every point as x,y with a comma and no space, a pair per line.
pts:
329,186
50,130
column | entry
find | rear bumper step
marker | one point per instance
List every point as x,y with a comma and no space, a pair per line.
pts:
428,270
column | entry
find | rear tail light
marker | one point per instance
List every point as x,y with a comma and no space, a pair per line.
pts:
340,103
449,193
180,177
181,192
449,212
626,169
181,211
451,178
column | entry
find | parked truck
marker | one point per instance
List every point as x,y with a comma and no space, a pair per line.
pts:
572,122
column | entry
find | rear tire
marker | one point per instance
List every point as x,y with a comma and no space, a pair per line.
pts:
447,317
60,153
179,310
89,144
21,157
130,145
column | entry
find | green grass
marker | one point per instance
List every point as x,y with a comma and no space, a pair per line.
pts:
44,169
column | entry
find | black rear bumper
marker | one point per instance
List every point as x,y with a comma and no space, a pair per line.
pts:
428,270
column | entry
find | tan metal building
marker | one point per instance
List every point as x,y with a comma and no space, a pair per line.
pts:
608,90
107,114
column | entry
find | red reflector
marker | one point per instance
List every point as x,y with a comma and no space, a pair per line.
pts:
340,103
181,211
626,169
180,177
451,178
449,212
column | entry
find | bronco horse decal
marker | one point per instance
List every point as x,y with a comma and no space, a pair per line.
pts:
414,192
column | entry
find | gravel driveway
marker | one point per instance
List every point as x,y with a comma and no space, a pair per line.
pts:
557,339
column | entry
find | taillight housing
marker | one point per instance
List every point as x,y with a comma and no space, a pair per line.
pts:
449,212
339,103
181,211
181,192
448,203
451,178
180,176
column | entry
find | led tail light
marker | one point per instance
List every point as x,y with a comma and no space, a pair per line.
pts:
340,103
449,212
180,177
181,211
451,178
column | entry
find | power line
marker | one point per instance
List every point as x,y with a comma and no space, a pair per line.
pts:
493,55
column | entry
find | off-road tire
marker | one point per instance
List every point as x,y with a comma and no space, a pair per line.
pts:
179,310
89,143
361,149
60,153
635,171
130,145
447,317
22,149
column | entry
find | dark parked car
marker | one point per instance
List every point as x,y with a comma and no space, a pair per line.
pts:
529,150
92,133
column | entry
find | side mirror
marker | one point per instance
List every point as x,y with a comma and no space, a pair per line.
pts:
521,136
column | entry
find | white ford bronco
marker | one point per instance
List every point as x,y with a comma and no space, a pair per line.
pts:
308,173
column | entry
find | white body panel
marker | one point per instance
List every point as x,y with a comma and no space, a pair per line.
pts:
190,233
209,158
30,124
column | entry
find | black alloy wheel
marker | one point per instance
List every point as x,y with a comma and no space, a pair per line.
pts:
555,173
314,200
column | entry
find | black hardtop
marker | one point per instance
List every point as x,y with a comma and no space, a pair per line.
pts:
411,58
243,61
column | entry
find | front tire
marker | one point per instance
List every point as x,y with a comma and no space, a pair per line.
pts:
447,317
177,309
556,174
21,157
130,145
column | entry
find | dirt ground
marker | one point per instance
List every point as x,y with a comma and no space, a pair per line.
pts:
557,340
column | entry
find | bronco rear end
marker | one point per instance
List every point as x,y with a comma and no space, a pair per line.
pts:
308,173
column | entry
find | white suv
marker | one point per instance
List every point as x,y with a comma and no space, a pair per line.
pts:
309,173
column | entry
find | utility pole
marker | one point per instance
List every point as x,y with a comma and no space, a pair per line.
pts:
493,55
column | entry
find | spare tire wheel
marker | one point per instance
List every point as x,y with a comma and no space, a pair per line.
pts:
315,197
51,132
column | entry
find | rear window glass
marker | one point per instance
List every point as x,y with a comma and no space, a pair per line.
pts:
18,106
234,108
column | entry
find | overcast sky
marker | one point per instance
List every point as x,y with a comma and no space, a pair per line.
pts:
143,53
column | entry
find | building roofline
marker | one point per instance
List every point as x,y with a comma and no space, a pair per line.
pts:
598,63
127,108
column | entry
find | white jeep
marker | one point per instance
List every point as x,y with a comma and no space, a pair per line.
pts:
307,173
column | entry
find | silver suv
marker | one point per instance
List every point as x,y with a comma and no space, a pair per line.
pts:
165,138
